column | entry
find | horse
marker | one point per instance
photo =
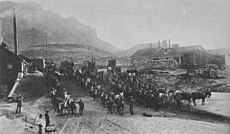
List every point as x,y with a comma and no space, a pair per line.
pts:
170,96
178,97
64,107
73,107
184,96
200,95
162,96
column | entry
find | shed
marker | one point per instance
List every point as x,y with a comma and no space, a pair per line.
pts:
10,66
192,56
143,54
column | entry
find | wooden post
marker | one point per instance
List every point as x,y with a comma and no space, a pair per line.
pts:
15,34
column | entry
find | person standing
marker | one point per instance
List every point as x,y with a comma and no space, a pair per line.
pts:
47,118
156,101
178,98
81,107
19,105
131,103
110,105
40,124
122,106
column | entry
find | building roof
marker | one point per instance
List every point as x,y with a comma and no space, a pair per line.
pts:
219,51
8,52
146,52
166,52
25,58
176,52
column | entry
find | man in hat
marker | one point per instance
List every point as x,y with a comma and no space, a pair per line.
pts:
40,124
110,105
19,105
81,107
131,103
47,117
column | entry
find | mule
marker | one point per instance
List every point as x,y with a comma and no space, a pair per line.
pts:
170,96
200,95
73,108
185,96
178,97
64,108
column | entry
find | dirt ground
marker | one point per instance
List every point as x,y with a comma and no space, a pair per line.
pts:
219,103
199,119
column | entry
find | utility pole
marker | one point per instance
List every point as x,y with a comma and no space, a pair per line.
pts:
15,33
46,46
1,38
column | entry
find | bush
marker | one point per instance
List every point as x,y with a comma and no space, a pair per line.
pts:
33,86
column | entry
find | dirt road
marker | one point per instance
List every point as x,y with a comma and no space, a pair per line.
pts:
96,120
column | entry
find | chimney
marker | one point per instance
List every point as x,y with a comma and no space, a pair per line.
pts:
15,34
169,44
166,43
163,44
0,32
175,45
159,44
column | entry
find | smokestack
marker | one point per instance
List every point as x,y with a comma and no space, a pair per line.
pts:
0,32
166,43
150,45
163,44
169,44
159,44
15,34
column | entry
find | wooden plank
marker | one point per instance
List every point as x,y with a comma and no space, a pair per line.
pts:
14,88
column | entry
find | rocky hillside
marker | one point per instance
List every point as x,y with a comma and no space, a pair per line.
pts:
60,52
34,24
130,51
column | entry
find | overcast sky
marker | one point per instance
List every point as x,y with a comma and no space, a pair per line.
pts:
124,23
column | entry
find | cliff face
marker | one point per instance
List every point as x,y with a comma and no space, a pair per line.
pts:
34,24
129,52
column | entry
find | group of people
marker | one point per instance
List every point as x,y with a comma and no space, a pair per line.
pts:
116,87
113,88
63,103
47,123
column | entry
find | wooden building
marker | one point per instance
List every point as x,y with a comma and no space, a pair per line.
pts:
144,54
11,67
112,63
188,57
221,57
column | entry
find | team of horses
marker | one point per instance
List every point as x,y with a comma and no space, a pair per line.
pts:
63,103
65,106
192,96
159,96
116,98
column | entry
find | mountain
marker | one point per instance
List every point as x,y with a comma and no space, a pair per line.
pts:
130,51
59,52
34,24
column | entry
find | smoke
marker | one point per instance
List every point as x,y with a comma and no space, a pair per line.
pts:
6,13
